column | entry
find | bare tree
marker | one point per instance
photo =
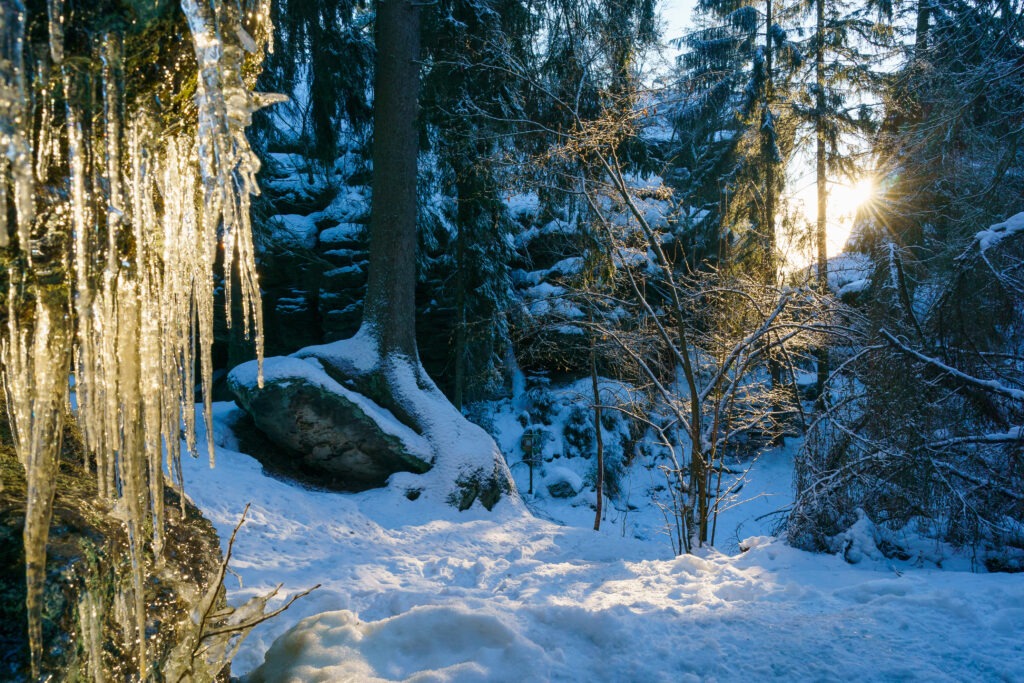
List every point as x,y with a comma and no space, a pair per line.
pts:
929,426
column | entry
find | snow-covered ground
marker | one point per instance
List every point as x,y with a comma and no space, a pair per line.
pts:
413,591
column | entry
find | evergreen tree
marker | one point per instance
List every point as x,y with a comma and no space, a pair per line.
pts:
471,98
323,60
951,143
741,62
838,80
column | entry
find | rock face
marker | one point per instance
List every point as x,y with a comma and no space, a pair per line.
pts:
322,431
88,633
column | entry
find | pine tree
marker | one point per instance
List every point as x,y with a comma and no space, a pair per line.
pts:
839,81
741,63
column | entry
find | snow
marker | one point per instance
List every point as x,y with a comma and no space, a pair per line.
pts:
559,475
282,369
414,590
295,229
350,205
523,206
1000,231
849,273
854,287
342,233
460,450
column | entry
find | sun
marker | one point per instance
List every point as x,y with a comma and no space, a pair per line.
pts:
845,199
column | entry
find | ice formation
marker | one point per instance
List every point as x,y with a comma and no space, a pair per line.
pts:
114,282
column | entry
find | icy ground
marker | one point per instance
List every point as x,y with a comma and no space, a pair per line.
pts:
430,594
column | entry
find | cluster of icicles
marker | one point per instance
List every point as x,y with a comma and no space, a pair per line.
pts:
112,272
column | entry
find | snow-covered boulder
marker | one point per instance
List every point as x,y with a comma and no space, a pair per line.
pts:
562,482
341,438
294,230
995,234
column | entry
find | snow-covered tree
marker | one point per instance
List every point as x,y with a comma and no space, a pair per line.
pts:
737,71
925,433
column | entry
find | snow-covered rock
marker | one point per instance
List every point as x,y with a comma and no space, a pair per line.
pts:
342,233
325,431
562,482
849,273
294,229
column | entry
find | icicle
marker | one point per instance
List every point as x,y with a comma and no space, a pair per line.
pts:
131,467
15,129
227,164
36,346
140,287
90,633
44,146
35,369
113,96
55,10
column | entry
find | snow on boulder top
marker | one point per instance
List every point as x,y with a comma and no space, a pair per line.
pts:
351,205
288,163
849,269
358,352
343,232
855,287
559,227
992,236
563,475
567,266
294,229
277,369
282,369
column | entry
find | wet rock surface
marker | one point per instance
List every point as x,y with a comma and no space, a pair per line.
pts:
88,630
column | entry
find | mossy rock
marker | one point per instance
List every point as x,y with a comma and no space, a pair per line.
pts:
479,485
320,433
86,629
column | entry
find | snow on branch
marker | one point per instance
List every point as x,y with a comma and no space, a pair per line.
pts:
987,384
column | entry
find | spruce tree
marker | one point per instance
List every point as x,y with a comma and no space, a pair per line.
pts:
323,60
471,98
742,61
838,84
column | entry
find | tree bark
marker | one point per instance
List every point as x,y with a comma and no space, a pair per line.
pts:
390,308
921,29
598,437
822,180
767,149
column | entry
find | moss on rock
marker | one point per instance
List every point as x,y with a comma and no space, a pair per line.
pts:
88,631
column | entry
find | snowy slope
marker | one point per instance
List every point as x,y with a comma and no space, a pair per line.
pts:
425,593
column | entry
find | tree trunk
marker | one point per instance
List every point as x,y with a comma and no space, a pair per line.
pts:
390,308
461,341
768,150
768,155
599,439
822,179
921,30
